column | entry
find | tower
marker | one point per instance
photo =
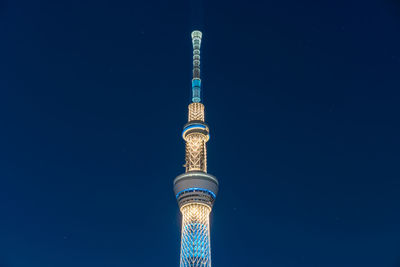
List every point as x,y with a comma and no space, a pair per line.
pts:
195,190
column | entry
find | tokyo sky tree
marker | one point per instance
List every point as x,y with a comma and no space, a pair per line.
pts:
196,190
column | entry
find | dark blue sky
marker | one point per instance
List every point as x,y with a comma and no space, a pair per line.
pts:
302,98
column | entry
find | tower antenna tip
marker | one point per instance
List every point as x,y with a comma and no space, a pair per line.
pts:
196,34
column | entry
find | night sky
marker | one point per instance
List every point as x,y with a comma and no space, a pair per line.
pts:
302,99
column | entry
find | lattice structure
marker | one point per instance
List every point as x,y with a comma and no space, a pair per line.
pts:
196,158
196,112
196,153
195,248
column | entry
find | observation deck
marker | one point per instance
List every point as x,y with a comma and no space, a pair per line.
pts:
195,187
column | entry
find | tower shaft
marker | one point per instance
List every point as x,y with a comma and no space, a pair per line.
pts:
195,244
196,190
196,152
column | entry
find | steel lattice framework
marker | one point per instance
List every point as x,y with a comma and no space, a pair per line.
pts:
196,112
196,190
195,248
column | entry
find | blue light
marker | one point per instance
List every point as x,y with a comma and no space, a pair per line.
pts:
196,243
196,189
196,89
193,126
196,83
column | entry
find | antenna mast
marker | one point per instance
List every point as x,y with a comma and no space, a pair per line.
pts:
196,81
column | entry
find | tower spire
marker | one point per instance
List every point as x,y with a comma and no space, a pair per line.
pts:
196,81
196,190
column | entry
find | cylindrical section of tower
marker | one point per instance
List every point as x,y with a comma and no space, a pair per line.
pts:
195,239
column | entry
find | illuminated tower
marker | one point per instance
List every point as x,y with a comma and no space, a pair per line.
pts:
196,190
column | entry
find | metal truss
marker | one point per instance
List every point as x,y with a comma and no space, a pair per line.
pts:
195,246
